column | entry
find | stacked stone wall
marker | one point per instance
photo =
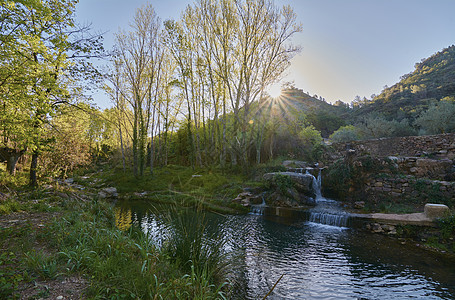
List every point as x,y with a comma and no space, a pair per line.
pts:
411,189
414,169
439,146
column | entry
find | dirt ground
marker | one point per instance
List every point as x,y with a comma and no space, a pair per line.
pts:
64,286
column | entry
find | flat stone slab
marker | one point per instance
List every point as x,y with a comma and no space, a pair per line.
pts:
434,211
419,219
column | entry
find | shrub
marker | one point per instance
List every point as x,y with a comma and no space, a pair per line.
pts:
376,126
447,226
439,118
346,134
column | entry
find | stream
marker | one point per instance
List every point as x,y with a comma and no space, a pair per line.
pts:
317,261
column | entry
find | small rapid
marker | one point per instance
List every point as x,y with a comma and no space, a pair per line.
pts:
326,211
258,209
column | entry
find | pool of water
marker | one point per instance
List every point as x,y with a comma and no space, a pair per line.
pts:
314,261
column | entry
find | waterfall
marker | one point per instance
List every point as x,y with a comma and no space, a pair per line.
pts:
317,184
258,209
328,218
326,211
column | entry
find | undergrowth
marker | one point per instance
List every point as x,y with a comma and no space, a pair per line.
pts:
119,265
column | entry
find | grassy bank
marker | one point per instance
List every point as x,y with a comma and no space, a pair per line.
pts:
60,241
210,188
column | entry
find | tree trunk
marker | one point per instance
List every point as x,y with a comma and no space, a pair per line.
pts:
11,156
33,166
121,147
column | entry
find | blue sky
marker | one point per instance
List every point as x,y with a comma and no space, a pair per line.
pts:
350,47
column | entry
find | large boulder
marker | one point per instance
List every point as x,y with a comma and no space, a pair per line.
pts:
290,189
108,192
302,182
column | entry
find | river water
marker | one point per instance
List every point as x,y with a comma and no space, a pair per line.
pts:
315,261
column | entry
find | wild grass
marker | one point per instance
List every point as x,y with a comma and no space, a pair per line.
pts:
191,246
129,265
180,185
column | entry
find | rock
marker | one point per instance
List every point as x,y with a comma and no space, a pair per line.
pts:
143,194
359,204
302,182
59,297
292,191
248,198
389,229
434,211
108,192
245,202
69,180
377,228
294,164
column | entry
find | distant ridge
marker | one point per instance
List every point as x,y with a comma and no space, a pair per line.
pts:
432,80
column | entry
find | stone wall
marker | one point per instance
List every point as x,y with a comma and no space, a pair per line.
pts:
410,188
440,146
440,169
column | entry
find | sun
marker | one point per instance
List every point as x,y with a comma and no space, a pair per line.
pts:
274,90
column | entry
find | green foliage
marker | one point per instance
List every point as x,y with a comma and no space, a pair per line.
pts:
430,192
324,121
283,183
376,126
439,118
310,141
10,277
182,184
447,226
193,248
39,48
310,136
128,264
41,265
338,177
346,134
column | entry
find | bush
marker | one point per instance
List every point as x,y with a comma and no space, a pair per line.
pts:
376,126
310,136
439,118
447,226
346,134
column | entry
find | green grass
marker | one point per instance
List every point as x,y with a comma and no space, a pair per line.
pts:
178,185
119,265
178,178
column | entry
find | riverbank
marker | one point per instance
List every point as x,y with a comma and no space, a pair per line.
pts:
60,241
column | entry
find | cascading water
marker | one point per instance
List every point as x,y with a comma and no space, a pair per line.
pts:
326,211
317,182
258,209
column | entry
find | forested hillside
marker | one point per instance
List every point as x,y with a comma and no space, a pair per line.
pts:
432,80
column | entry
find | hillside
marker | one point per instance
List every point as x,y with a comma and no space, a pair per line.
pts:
294,103
432,80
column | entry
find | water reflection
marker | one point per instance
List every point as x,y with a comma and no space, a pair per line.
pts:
123,219
318,261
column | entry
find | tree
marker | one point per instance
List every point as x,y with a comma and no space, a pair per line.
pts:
39,45
251,51
376,126
141,57
439,118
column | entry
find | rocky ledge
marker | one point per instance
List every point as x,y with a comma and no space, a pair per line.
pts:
290,189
